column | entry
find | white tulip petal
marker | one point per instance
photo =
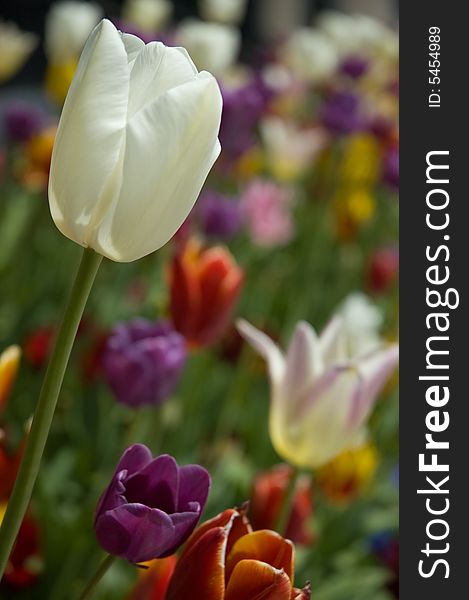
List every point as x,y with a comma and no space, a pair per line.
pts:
266,348
133,46
321,429
304,359
170,147
156,70
333,342
90,134
375,369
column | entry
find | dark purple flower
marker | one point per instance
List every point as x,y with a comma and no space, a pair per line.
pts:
151,505
143,361
391,168
243,107
219,216
341,113
22,121
354,66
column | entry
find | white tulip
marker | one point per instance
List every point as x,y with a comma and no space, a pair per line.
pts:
136,140
148,15
321,396
290,150
15,48
68,25
362,321
358,34
311,55
212,46
223,11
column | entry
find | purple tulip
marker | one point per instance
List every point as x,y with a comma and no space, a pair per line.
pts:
143,361
22,121
151,505
340,113
220,217
243,107
354,66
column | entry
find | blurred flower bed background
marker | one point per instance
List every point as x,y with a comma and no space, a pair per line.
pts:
297,221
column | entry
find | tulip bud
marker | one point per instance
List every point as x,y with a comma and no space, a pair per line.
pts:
136,140
143,362
151,505
268,493
204,286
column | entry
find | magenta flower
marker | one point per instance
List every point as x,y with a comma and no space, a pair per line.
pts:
143,361
266,209
151,505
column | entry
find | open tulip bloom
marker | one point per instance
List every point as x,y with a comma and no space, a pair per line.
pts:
151,505
321,395
136,141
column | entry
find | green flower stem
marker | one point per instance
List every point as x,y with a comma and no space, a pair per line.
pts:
287,503
36,441
93,582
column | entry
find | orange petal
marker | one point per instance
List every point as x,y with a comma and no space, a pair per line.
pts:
153,583
255,580
9,363
304,594
232,519
265,546
185,295
200,572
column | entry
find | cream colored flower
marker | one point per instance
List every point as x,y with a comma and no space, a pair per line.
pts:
147,15
137,137
15,49
212,46
321,393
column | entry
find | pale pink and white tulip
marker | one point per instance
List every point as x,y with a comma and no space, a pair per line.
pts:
321,393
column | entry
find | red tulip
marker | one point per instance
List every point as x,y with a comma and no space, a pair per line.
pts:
24,564
205,285
9,464
383,269
38,346
268,492
225,560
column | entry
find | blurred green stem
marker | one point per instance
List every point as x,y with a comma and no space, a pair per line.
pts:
37,438
93,582
287,503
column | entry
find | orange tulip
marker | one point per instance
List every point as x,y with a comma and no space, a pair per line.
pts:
9,363
153,583
204,285
9,462
225,560
268,492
